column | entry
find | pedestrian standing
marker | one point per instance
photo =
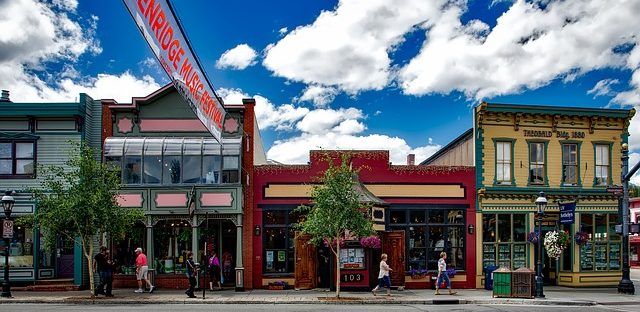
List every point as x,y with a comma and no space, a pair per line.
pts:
100,267
383,276
443,277
191,274
108,274
142,271
214,271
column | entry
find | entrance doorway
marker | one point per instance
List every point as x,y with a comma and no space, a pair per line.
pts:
64,257
220,236
549,265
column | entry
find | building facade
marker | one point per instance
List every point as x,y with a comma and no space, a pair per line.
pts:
190,187
573,155
418,212
33,135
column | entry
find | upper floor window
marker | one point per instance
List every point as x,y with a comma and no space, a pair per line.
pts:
570,164
503,162
174,160
17,159
602,164
536,163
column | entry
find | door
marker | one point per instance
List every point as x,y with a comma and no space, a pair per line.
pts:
306,263
64,258
393,246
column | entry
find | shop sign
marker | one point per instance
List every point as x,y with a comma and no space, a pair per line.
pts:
162,31
567,212
7,229
352,277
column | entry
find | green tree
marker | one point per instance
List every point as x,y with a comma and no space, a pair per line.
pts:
634,190
79,202
336,213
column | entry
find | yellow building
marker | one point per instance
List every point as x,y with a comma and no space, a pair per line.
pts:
572,154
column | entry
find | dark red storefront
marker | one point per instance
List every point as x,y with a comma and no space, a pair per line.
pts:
427,209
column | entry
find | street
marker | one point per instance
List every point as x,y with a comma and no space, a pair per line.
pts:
308,307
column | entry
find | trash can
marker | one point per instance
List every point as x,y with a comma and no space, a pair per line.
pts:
502,283
523,283
488,276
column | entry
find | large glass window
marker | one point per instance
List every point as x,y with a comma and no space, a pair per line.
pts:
152,172
602,252
536,163
570,164
132,162
503,162
172,240
429,232
602,164
192,157
20,248
211,162
17,159
504,240
278,241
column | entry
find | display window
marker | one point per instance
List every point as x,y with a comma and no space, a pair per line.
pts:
504,240
20,248
602,252
278,240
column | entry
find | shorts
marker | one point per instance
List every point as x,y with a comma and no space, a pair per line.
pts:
142,273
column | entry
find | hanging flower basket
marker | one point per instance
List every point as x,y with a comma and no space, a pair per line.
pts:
533,237
371,242
581,238
555,242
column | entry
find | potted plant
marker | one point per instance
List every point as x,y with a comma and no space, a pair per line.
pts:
533,237
555,242
417,273
581,238
278,285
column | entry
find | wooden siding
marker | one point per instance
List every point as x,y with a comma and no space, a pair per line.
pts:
459,155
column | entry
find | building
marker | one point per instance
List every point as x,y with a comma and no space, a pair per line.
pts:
573,155
191,188
40,134
420,210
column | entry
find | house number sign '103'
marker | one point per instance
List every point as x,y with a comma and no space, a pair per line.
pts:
352,277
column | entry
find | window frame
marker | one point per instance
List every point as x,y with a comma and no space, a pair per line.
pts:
14,159
545,181
511,243
608,181
602,241
289,243
577,144
511,180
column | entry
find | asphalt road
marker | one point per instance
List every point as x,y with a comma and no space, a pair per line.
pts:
311,308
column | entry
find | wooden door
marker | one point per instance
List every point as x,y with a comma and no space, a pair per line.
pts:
393,246
306,263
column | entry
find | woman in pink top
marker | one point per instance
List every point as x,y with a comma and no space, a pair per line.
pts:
214,271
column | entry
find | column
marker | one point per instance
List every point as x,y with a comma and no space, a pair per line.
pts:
239,262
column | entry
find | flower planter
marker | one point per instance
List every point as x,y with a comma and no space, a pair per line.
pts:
418,276
275,287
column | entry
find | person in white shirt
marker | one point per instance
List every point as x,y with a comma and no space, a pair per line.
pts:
383,276
442,274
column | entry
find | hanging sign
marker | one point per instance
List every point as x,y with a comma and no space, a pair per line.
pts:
7,229
162,31
567,212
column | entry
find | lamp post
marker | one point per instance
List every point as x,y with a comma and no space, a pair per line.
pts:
7,205
541,202
626,285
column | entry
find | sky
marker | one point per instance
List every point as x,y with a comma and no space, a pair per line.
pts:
400,75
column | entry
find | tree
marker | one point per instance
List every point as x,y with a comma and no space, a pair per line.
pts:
80,202
336,213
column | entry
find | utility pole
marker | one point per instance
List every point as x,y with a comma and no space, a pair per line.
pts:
626,285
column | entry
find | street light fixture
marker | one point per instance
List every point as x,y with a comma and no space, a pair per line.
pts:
626,285
541,202
7,205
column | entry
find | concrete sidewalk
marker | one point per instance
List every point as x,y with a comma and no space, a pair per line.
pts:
554,296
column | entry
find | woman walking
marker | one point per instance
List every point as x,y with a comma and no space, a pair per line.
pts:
442,274
383,276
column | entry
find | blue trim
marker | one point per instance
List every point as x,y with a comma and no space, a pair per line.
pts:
77,262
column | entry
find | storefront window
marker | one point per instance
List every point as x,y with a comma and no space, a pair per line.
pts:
279,244
429,232
602,252
20,248
172,240
132,162
123,251
508,248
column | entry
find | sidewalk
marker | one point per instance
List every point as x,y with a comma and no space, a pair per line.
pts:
554,296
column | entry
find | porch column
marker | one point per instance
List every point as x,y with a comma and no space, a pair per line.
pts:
194,244
151,261
239,264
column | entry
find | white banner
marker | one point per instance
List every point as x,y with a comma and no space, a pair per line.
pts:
161,30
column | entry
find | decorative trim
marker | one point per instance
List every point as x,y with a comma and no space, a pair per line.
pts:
125,125
171,125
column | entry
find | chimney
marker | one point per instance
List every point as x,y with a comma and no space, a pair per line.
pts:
5,96
411,159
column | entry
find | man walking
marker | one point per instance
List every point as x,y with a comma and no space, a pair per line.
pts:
142,271
100,266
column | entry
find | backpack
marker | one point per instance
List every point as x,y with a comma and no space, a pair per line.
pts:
211,262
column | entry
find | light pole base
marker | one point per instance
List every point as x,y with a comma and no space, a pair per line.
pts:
539,287
626,287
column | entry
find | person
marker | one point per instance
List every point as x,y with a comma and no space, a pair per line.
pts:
214,271
101,267
191,274
227,262
443,277
142,271
383,276
111,267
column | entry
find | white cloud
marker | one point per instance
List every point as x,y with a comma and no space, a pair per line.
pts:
45,33
603,87
319,95
528,48
283,31
240,57
322,120
348,48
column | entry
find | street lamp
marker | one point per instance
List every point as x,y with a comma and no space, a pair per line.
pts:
626,285
541,202
7,205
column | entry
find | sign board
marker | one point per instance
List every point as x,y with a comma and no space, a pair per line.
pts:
567,212
7,229
162,31
616,190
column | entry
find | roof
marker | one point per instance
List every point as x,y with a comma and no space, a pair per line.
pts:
364,195
464,136
555,110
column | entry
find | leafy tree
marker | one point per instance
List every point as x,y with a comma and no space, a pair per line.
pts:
634,190
79,202
336,213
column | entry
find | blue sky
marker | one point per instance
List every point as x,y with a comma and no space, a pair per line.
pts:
361,74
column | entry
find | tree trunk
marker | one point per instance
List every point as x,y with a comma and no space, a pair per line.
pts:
337,269
88,252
